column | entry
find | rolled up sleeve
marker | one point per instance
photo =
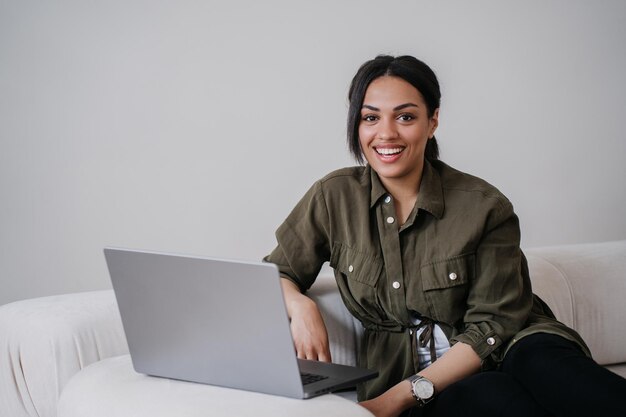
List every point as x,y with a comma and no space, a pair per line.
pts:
500,295
303,240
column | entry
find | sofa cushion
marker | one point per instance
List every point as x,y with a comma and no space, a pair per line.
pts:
112,388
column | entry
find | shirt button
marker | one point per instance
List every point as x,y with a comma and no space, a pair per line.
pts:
390,220
388,199
452,276
350,268
491,341
395,285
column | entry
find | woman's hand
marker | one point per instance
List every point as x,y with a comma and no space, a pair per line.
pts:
459,362
307,325
391,403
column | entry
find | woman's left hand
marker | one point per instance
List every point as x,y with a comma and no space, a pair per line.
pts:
391,403
377,407
459,362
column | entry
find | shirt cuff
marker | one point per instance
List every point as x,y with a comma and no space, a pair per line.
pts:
481,337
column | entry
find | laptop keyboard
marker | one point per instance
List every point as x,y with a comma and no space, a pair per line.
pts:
310,378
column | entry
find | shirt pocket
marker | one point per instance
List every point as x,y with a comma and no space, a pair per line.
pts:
446,286
357,276
356,265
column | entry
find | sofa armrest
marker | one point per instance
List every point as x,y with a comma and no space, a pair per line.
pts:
45,341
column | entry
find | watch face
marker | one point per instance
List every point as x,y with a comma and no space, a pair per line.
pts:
424,389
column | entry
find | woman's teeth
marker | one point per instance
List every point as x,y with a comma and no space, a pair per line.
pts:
389,151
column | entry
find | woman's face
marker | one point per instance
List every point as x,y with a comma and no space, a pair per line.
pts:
395,128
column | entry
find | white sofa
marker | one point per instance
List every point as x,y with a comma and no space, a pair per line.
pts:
67,355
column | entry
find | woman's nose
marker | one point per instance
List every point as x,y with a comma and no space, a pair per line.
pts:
387,129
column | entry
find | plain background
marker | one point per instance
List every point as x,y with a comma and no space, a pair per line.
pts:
195,126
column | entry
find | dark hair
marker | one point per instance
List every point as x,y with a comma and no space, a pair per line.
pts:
411,70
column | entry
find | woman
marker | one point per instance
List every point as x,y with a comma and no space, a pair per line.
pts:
428,259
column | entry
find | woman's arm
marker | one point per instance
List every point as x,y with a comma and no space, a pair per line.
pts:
500,300
307,325
459,362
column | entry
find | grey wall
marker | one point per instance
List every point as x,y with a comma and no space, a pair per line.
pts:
194,126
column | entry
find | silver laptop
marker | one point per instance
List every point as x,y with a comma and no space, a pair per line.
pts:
216,322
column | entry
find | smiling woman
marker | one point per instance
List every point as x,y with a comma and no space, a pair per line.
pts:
424,81
428,259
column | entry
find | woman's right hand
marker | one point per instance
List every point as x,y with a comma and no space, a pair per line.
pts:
307,325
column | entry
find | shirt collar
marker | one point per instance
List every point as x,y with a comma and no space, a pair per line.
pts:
429,198
377,188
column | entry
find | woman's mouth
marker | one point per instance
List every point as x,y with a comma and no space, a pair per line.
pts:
388,151
389,154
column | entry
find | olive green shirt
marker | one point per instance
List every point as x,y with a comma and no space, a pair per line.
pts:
456,261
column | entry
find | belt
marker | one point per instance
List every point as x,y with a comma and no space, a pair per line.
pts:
427,336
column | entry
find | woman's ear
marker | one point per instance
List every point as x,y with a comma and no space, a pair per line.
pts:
434,123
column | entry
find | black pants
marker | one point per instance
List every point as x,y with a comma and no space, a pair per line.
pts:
542,375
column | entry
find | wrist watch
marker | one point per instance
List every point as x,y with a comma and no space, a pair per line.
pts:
422,389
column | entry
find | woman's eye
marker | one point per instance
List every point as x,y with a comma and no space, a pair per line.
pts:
369,118
406,117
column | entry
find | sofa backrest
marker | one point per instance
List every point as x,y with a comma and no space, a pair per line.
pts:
585,286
